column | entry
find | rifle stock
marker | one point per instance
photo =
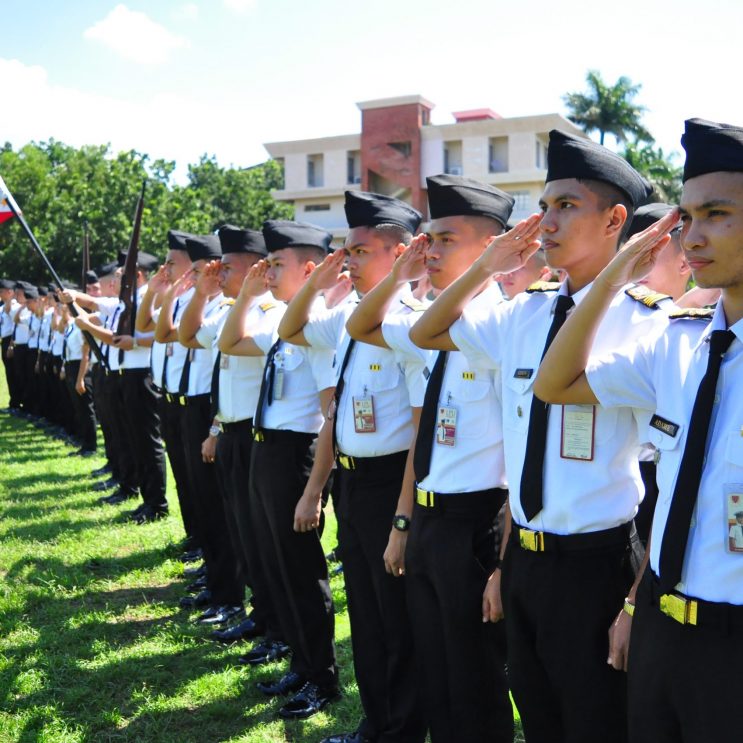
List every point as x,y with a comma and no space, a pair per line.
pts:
128,292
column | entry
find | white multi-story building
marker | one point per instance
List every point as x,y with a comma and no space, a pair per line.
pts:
398,147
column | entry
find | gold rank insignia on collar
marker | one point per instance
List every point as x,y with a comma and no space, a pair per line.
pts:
226,302
413,304
543,286
692,313
645,296
266,306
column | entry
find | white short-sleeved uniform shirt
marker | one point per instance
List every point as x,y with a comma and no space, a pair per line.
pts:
34,329
377,379
475,461
305,372
138,358
579,495
73,342
202,363
661,375
22,326
240,376
45,332
175,352
6,318
58,343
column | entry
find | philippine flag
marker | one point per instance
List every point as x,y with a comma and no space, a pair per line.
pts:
6,200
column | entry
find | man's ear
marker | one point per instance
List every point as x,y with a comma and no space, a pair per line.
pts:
617,218
399,249
309,267
684,268
545,274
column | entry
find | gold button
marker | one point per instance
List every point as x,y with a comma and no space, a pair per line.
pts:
519,411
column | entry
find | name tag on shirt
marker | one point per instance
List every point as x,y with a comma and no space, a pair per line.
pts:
446,426
224,362
363,414
578,426
734,514
168,349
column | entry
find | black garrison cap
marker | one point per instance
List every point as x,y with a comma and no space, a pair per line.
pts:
7,284
30,292
203,247
237,240
107,268
711,148
177,239
43,291
365,209
647,215
280,234
91,277
23,285
575,157
454,196
145,261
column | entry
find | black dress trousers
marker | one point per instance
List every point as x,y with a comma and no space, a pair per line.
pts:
85,423
293,563
10,374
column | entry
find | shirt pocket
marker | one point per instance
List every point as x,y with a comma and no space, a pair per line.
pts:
667,455
474,399
386,384
289,361
517,397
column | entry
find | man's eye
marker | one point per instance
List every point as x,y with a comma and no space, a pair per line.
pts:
565,205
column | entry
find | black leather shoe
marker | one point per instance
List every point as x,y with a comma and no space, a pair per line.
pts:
196,602
192,555
265,652
221,614
118,497
356,737
85,453
287,684
308,701
105,470
199,572
197,586
106,485
246,630
149,514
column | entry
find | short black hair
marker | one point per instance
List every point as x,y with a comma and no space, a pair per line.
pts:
393,234
609,196
310,253
486,225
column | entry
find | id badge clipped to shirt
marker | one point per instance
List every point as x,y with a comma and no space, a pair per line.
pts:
168,349
363,413
446,425
224,361
734,516
577,432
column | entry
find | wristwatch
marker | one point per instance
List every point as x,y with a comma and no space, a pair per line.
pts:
401,522
214,430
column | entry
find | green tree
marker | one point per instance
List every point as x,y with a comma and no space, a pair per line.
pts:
608,109
657,167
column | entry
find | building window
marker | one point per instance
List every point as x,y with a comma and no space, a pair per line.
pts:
522,201
541,155
404,148
453,158
498,155
315,171
317,207
353,167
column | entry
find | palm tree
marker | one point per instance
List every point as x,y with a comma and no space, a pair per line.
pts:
608,109
657,167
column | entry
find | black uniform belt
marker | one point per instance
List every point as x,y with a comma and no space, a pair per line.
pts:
186,400
274,435
157,389
475,502
542,541
237,426
139,370
367,464
696,612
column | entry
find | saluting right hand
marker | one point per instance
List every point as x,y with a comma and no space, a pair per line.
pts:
411,263
509,251
325,276
254,283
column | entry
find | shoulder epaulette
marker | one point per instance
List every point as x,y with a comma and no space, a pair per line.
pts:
266,306
692,313
543,286
645,296
225,302
414,304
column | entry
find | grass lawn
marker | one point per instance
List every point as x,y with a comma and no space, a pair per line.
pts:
92,646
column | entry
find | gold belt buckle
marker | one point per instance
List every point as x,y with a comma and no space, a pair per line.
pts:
533,541
258,435
346,462
681,610
181,399
424,497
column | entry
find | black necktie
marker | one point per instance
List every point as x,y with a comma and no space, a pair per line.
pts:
427,425
532,475
168,347
186,373
339,390
215,386
265,395
676,533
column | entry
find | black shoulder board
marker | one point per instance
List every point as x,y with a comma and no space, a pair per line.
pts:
543,286
692,313
413,304
266,306
645,296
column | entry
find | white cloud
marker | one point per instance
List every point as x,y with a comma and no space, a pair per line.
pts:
239,6
135,36
188,11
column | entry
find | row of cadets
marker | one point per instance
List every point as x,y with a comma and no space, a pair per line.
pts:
224,581
574,483
287,460
460,480
234,394
685,636
372,421
167,360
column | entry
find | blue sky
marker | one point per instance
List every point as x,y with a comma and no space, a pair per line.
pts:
177,79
